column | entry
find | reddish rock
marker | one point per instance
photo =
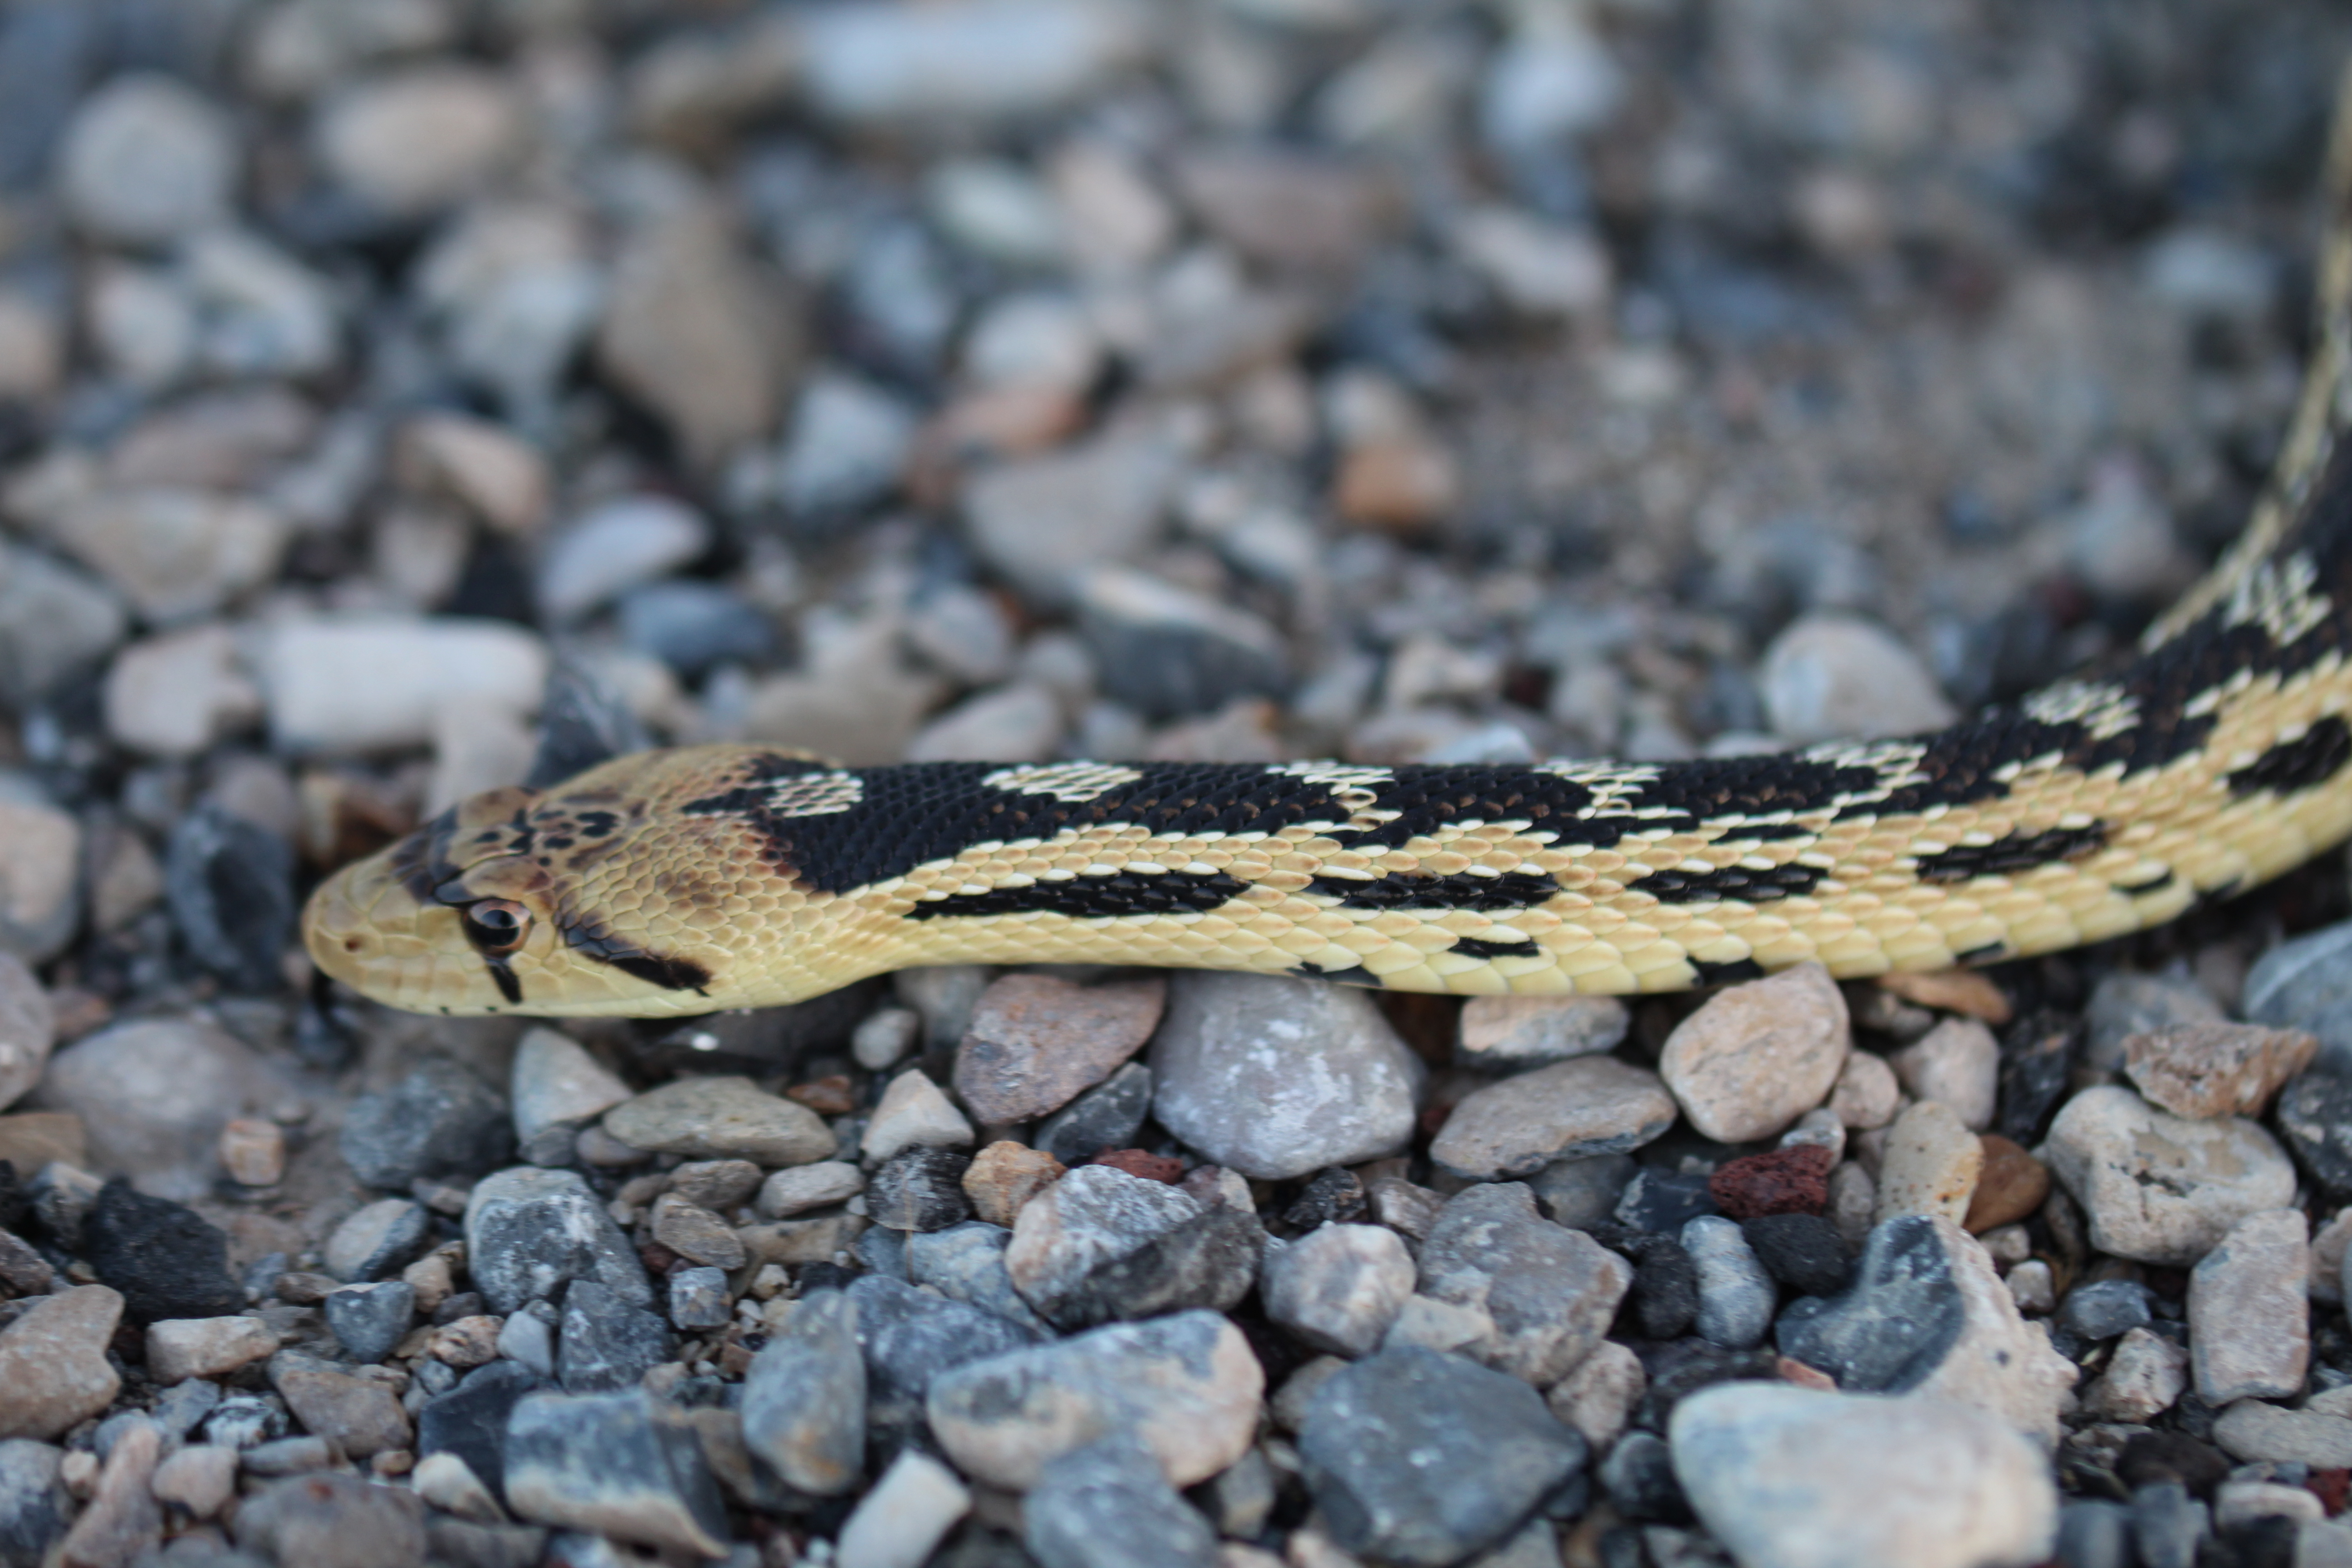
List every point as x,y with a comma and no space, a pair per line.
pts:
1795,1180
2331,1488
1137,1162
2011,1185
827,1096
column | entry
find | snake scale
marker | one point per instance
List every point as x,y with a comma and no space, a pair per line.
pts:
688,880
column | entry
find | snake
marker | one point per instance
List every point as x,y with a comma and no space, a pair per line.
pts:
2213,755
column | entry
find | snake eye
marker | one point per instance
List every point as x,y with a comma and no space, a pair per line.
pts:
496,926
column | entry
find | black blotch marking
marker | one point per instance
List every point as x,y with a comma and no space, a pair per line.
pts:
2012,852
1354,974
1094,897
421,861
592,939
1985,955
1788,881
1736,970
510,984
1403,890
2312,758
1479,947
2157,883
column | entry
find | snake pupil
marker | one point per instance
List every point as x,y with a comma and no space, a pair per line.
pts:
496,925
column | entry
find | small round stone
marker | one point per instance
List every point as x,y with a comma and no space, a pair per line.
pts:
1758,1056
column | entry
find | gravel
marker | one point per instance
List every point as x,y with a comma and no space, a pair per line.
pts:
1028,380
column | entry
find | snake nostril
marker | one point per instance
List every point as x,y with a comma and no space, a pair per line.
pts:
352,944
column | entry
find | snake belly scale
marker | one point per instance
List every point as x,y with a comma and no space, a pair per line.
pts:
692,879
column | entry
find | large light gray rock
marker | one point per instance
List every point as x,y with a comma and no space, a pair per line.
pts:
2160,1188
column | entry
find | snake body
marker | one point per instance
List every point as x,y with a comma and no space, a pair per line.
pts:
691,879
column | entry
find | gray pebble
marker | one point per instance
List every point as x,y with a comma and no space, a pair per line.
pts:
439,1120
378,1240
369,1320
1104,1118
698,1299
1100,1245
966,1263
912,1338
1108,1506
606,1343
1735,1296
613,1463
34,1507
528,1230
1339,1287
2122,1005
2306,984
804,1397
1547,1293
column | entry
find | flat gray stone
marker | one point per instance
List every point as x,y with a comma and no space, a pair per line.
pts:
1571,1111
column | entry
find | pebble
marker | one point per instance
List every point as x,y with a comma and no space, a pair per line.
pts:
913,1112
557,1084
470,1420
1578,1194
613,1465
1540,269
847,449
2012,1186
123,1515
253,1152
1758,1055
414,140
699,334
1170,653
359,1414
181,1348
55,621
1794,1179
2104,1308
198,1480
1275,1078
1419,1458
27,1028
1957,1062
440,1121
1802,1251
1101,1244
1339,1287
1541,1296
1921,1482
2249,1311
528,1231
2301,984
2158,1188
167,1260
1570,1111
1661,1200
1600,1397
371,683
614,548
2315,1120
693,627
919,1188
966,1263
2144,1374
1035,1042
2124,1004
378,1240
804,1397
606,1342
369,1320
2256,1433
1105,1118
1931,1164
694,1233
721,1119
1831,675
146,161
1108,1506
1186,1385
332,1522
911,1336
40,851
884,1037
1004,1177
2215,1069
447,1482
52,1363
719,1185
905,1517
800,1188
228,881
899,64
1508,1033
176,694
176,553
1926,1315
152,1097
1043,521
1735,1295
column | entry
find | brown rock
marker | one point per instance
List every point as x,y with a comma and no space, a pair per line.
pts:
360,1415
2215,1069
182,1348
1288,210
1141,1163
1005,1175
53,1368
23,1271
699,335
484,468
1402,483
468,1342
2012,1185
1795,1180
1758,1056
1961,991
253,1152
1931,1164
1036,1043
124,1516
694,1232
32,1139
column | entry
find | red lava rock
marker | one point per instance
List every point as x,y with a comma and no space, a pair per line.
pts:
1785,1181
1803,1376
1150,1167
827,1096
2331,1488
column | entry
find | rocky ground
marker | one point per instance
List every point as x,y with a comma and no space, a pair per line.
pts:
1026,379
